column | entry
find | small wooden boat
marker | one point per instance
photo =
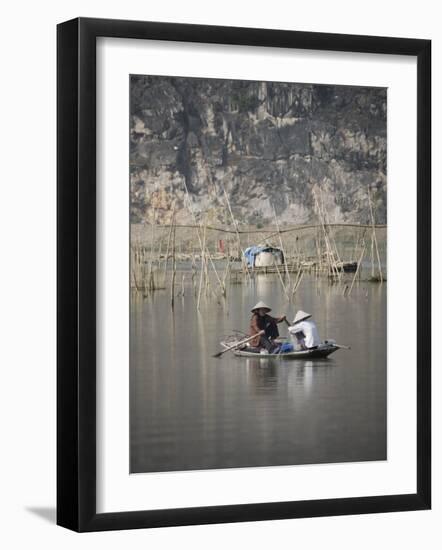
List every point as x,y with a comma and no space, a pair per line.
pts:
322,351
347,267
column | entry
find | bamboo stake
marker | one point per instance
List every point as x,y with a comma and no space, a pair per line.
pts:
182,285
203,246
150,281
324,233
337,260
135,281
152,238
357,238
329,253
282,246
318,249
160,246
198,229
340,263
171,228
226,274
204,264
374,236
193,272
281,280
357,270
295,289
172,289
237,231
298,276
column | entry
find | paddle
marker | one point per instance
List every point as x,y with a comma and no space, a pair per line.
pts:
238,344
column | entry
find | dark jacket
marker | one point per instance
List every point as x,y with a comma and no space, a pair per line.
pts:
266,323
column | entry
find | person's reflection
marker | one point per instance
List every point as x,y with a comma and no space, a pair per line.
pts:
309,371
304,376
262,374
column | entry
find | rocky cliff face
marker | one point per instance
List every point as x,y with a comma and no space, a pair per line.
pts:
264,145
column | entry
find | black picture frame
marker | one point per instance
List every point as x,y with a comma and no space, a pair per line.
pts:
76,274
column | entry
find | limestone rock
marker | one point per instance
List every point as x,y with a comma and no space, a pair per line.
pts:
268,145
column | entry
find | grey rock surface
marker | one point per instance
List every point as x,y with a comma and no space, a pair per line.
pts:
264,144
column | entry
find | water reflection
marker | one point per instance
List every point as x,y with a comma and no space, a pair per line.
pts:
262,374
191,411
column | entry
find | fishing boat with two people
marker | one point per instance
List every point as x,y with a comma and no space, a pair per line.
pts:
264,340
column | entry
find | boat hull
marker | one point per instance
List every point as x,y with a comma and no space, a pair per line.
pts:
318,353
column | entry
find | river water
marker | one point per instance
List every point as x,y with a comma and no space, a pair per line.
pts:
190,411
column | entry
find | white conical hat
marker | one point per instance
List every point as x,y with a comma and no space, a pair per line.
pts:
301,316
261,305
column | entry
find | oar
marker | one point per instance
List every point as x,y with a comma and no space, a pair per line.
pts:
239,344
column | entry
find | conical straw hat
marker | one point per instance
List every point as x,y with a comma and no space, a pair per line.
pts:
301,316
262,305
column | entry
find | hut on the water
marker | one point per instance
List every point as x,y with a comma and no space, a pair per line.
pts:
263,256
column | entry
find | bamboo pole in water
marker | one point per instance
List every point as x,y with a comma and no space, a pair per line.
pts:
182,286
297,253
296,282
152,239
203,247
295,290
160,248
226,273
362,243
172,288
235,225
374,237
150,281
137,268
333,247
282,247
135,281
205,259
205,265
281,280
327,255
357,238
339,262
193,271
159,284
198,229
357,269
318,249
336,255
329,252
171,228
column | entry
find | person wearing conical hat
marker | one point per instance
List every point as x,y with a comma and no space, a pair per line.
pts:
304,332
261,320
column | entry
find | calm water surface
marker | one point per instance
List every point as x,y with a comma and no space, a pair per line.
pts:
190,411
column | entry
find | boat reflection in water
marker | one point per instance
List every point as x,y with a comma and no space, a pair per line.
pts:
265,375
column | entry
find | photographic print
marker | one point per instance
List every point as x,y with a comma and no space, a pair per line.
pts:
258,273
